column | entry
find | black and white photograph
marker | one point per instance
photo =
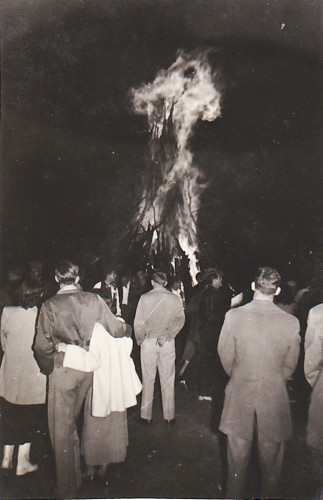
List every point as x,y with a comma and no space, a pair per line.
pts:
161,251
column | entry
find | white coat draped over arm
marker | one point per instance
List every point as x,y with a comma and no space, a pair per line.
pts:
115,381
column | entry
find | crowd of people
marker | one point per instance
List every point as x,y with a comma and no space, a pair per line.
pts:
95,347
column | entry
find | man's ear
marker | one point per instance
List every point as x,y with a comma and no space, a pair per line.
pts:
56,279
278,291
77,279
253,286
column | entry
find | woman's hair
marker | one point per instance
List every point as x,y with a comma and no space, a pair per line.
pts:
28,294
286,295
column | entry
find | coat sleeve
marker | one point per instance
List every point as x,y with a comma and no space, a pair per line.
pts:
3,330
116,327
139,323
226,345
44,347
85,361
178,318
293,352
313,349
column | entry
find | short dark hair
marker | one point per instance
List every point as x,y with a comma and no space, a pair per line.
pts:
66,272
267,280
159,277
108,271
28,294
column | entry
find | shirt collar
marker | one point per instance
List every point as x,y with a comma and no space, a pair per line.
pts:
73,288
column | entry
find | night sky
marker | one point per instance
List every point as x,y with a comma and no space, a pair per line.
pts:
73,149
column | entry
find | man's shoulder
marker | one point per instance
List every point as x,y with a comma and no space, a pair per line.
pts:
288,319
79,295
9,311
317,311
238,311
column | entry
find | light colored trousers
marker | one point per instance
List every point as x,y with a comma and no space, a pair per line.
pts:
152,357
66,392
270,459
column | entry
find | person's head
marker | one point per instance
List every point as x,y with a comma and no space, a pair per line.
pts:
199,277
66,273
292,285
110,276
35,270
286,296
213,277
15,275
28,294
124,279
267,281
176,283
159,279
141,277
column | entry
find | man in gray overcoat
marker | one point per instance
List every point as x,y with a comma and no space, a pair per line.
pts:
313,369
258,348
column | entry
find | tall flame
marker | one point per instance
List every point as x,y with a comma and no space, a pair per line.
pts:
173,103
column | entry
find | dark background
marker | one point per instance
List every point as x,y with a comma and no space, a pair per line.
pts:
72,149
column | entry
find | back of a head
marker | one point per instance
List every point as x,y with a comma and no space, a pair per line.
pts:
28,294
267,280
66,272
286,295
16,275
160,278
109,272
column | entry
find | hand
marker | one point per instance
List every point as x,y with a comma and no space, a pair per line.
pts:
61,347
161,341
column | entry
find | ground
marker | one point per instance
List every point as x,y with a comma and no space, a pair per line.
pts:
186,460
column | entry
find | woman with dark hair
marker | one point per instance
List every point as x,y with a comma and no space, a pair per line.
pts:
285,300
22,385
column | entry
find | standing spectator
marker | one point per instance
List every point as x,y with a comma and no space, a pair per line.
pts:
215,302
310,298
36,275
107,289
285,300
259,348
15,278
22,386
123,289
177,287
194,323
69,317
137,288
115,387
313,368
159,318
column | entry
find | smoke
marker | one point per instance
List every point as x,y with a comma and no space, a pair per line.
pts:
173,103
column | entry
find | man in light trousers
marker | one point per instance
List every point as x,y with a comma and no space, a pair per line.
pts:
159,318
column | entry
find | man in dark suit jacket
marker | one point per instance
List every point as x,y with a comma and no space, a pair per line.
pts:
69,317
258,348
